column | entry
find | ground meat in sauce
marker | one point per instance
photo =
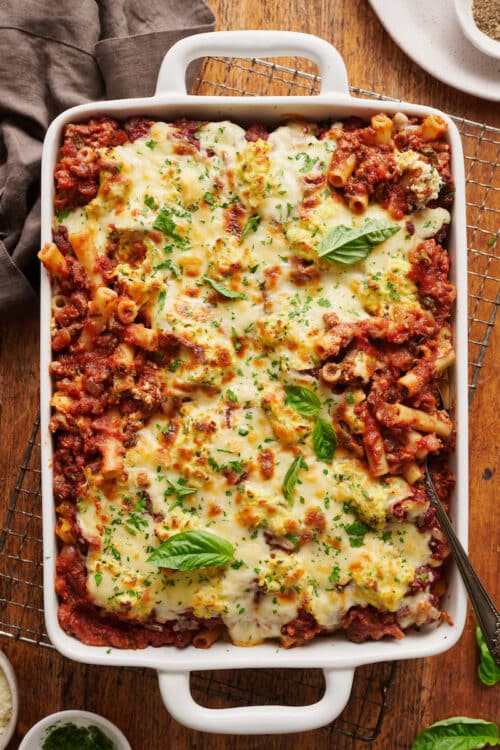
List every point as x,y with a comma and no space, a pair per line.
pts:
256,132
303,627
366,623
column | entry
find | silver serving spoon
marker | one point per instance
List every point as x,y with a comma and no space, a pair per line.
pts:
487,614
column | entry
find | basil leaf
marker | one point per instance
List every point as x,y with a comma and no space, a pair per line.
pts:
347,245
487,670
334,576
251,226
165,224
356,532
161,299
224,289
457,733
190,550
290,479
180,488
324,440
302,400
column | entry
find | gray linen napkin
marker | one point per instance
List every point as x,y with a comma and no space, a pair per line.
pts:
54,55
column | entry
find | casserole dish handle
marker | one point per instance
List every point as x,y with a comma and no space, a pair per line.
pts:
250,44
271,719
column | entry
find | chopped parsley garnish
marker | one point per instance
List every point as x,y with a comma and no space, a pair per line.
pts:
69,736
165,223
251,226
161,298
334,576
224,290
236,342
322,302
356,532
151,203
309,161
167,264
179,488
175,365
61,215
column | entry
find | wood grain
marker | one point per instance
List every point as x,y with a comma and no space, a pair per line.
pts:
425,690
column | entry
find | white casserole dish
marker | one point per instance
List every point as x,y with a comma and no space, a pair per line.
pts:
336,655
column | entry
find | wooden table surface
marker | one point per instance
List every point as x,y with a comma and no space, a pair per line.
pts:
425,690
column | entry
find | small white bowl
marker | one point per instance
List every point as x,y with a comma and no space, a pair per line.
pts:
10,676
481,41
37,734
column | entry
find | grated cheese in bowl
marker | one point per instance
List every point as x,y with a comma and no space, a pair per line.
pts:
5,703
8,701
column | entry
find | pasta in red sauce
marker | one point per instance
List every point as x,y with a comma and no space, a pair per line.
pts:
321,377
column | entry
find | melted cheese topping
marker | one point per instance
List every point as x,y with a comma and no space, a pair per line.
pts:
333,544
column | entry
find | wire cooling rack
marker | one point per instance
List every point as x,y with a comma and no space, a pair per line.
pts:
21,600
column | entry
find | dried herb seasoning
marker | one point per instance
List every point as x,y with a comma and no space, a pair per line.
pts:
486,14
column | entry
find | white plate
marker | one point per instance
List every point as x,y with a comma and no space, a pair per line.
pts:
429,32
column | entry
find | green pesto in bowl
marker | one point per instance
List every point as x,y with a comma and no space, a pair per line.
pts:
69,736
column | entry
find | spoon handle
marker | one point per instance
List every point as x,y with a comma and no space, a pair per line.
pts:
487,614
